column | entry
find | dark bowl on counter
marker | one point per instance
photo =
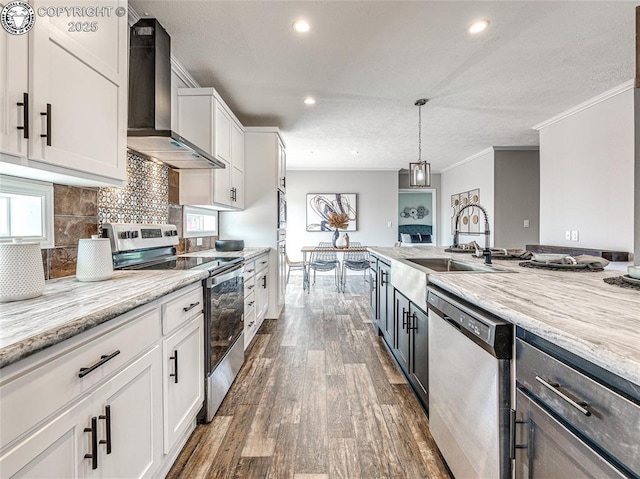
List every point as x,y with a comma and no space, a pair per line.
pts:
229,245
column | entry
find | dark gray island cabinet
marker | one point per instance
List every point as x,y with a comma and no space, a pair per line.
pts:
569,417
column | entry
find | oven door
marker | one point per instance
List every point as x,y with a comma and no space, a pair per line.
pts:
226,315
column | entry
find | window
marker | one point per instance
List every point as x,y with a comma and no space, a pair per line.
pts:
200,222
26,210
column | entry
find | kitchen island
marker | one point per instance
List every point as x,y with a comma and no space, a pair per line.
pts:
577,311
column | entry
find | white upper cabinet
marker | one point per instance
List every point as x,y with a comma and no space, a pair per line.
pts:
77,69
282,166
14,94
205,120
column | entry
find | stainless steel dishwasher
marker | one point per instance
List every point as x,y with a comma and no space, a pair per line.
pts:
469,387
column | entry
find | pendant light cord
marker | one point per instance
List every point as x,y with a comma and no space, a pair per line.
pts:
420,133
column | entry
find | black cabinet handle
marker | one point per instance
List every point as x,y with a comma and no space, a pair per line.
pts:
382,280
251,286
250,270
107,421
411,322
103,359
94,442
555,388
174,358
251,303
264,282
25,115
404,318
48,115
190,307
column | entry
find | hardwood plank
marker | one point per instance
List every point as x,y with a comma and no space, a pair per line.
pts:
333,358
284,454
344,461
186,455
389,366
339,422
252,468
404,444
206,447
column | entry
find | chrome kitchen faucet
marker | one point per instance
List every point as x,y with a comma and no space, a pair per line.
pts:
486,252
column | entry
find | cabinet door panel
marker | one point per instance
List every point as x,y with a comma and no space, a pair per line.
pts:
222,133
14,54
237,180
56,450
134,398
222,185
83,76
419,368
237,147
402,336
182,399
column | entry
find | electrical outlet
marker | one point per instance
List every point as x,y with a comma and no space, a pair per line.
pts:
567,235
526,223
198,241
574,235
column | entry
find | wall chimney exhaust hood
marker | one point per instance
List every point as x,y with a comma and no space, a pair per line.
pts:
149,132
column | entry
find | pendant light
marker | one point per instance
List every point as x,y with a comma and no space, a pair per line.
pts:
420,172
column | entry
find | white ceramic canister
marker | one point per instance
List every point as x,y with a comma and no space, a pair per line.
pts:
21,271
94,259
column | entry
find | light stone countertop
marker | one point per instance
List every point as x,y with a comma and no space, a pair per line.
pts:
247,253
574,310
68,307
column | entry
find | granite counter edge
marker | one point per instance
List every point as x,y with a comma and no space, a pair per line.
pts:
15,352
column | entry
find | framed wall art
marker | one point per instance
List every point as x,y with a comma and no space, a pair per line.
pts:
320,205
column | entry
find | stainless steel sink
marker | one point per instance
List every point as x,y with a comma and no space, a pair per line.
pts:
442,265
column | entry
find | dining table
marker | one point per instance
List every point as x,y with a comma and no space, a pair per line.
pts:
306,250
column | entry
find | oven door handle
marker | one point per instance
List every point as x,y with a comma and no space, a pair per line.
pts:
221,278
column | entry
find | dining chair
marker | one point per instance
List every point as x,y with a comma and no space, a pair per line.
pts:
355,261
293,265
324,258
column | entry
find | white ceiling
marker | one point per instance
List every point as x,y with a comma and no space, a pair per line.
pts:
366,62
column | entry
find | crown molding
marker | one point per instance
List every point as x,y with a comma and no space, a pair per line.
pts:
182,73
586,104
468,159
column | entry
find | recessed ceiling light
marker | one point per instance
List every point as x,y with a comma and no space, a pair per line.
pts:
309,101
301,26
479,26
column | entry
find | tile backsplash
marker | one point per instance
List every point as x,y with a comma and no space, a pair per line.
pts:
150,196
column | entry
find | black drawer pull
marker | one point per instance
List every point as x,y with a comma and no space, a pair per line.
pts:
264,282
555,388
190,307
103,359
107,425
94,443
25,115
251,303
174,358
48,115
251,286
250,270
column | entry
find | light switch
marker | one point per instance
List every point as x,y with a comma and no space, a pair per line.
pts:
574,235
198,241
526,223
567,235
388,224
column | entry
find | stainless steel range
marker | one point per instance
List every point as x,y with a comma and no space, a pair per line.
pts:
148,247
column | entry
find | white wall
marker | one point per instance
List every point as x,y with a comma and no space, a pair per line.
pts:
477,173
377,204
587,176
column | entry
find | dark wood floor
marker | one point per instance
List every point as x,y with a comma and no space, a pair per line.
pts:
317,397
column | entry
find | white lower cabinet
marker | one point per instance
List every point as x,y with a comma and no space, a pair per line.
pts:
118,401
183,382
108,434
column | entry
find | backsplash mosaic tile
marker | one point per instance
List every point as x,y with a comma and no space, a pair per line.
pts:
145,198
150,196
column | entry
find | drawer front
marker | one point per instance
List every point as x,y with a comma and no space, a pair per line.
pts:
609,419
31,397
178,309
262,262
249,269
249,285
249,301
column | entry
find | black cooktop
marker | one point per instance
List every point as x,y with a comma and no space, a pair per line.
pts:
213,264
